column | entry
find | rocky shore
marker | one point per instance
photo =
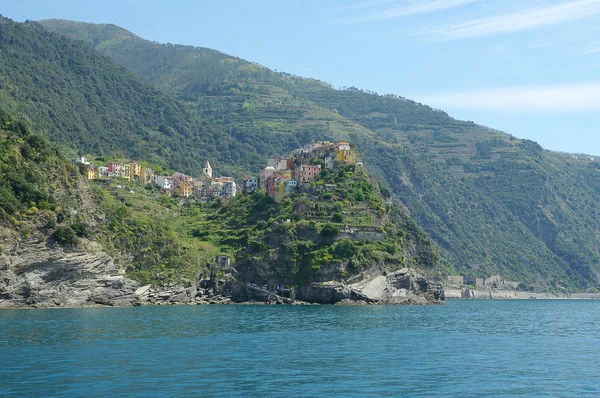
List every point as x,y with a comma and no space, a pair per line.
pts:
35,274
48,277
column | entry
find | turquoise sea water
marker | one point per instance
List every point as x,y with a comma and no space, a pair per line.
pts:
466,348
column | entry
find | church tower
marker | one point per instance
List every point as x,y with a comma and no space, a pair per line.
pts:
207,171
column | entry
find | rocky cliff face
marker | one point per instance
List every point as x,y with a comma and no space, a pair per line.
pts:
405,286
39,274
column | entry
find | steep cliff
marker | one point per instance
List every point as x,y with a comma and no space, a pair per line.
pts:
46,215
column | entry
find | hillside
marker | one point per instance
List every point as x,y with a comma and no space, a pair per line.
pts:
84,101
473,189
48,256
67,240
455,178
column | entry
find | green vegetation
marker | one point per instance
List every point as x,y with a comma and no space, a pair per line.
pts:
492,203
83,100
288,242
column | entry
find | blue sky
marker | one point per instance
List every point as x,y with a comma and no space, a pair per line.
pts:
530,68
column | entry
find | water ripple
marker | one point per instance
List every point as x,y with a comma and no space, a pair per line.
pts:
477,348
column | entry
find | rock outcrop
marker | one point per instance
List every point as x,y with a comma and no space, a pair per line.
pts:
405,286
37,274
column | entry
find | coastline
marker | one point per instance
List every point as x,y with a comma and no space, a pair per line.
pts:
475,294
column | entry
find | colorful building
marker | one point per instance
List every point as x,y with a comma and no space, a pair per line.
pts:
185,189
265,174
116,170
103,172
305,174
279,189
146,175
345,155
92,173
290,186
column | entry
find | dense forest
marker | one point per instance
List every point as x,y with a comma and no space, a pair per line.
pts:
492,203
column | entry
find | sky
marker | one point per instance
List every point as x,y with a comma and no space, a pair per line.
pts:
530,68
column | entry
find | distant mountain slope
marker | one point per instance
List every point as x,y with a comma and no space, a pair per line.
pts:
492,203
89,103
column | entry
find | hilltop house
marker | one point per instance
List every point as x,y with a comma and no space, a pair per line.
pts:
305,174
250,185
102,172
164,182
92,173
81,160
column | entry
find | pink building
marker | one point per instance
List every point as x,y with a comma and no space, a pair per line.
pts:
270,185
305,174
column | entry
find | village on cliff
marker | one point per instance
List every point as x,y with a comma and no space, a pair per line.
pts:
281,176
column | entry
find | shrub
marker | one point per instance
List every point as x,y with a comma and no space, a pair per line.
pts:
65,236
79,228
330,230
337,218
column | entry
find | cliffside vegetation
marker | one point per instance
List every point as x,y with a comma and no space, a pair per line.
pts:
296,241
492,203
162,240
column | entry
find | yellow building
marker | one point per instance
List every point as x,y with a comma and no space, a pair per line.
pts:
279,189
133,169
146,175
185,189
345,155
286,173
92,173
127,171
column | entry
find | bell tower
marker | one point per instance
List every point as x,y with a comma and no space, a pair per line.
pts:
207,170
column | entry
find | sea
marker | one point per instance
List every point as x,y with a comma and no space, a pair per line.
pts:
512,348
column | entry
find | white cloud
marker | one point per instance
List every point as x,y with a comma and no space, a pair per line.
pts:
522,20
592,50
568,98
403,9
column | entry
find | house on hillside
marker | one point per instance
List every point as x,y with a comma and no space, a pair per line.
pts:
290,186
305,174
103,172
163,182
344,153
265,174
81,160
135,170
116,170
250,185
228,189
92,173
223,261
185,188
146,175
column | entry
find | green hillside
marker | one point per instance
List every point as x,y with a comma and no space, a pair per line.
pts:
83,100
491,202
160,240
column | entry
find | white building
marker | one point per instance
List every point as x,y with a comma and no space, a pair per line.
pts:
81,160
250,185
229,188
102,172
207,170
164,182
